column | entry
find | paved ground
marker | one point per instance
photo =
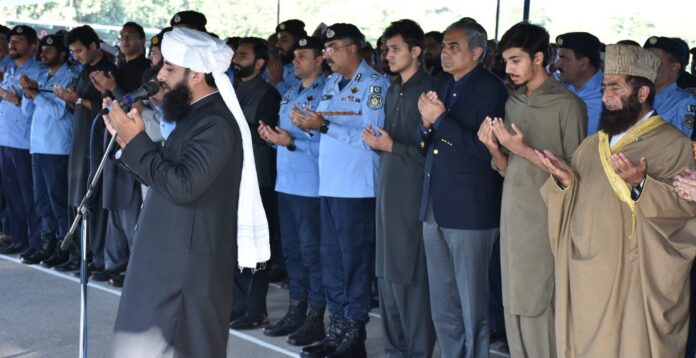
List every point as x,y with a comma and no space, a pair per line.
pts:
39,317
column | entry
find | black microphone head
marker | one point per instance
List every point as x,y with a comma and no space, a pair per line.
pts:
151,88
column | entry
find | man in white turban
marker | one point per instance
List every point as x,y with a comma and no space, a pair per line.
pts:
177,295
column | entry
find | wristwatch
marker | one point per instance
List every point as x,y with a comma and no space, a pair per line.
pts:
324,126
78,102
291,147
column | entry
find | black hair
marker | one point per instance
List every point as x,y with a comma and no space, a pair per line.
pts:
83,34
209,80
636,82
628,42
259,45
592,57
408,29
529,37
437,35
139,29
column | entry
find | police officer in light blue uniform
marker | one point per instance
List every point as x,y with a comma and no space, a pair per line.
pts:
579,70
15,160
675,105
352,100
289,32
5,61
49,145
297,187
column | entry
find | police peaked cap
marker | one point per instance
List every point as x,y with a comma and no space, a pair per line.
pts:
580,41
23,30
309,42
54,41
293,26
669,45
156,41
343,31
190,18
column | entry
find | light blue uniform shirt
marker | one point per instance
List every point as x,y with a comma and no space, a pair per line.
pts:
166,127
15,124
298,171
591,94
676,106
347,166
5,64
289,78
51,124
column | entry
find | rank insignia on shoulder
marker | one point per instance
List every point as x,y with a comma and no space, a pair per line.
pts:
376,89
691,108
326,97
689,120
374,101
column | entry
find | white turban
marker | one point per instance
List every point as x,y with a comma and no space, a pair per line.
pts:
205,54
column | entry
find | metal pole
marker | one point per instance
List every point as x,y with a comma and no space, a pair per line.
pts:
497,18
278,13
526,10
83,284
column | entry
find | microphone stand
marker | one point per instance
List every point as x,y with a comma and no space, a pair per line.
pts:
83,213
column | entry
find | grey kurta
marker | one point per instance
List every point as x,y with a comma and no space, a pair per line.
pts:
399,232
177,295
551,118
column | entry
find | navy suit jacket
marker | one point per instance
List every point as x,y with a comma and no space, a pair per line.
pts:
464,190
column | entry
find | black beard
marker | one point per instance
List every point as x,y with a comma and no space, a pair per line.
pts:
176,103
431,61
287,57
619,121
242,72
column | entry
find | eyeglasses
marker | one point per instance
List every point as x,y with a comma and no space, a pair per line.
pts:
332,49
128,37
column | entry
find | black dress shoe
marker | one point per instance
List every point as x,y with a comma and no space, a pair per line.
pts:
5,241
91,271
293,319
27,253
312,330
103,276
245,323
59,257
47,248
117,281
14,249
68,266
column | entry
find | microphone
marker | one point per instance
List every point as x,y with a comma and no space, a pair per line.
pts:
146,90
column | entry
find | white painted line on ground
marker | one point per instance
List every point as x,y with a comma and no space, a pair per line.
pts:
255,340
69,277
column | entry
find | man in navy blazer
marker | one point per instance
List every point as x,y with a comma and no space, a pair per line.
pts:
460,205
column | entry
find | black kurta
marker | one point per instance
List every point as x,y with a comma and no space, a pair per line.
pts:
177,296
79,161
399,232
